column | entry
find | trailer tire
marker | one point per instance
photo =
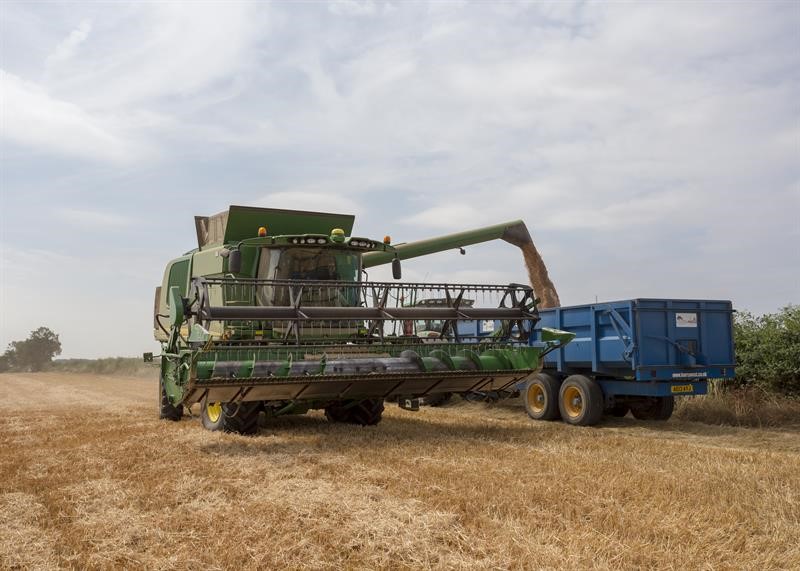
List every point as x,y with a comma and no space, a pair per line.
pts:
167,410
656,408
540,397
580,401
619,410
367,412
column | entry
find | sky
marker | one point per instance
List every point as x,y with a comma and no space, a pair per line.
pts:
653,149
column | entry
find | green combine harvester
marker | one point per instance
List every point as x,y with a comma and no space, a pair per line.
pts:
270,313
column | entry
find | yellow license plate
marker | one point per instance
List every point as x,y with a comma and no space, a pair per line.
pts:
682,389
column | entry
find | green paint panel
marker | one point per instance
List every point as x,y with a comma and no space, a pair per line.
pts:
207,263
244,221
506,231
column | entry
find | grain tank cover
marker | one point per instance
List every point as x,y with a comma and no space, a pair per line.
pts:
240,222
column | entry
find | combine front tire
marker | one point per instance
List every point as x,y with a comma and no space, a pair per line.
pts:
167,410
540,396
366,412
656,408
211,415
241,418
580,401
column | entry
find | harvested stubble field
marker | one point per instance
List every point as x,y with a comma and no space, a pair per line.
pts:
90,479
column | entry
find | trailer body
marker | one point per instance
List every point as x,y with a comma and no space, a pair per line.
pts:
643,347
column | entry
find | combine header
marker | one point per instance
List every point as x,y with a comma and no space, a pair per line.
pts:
270,313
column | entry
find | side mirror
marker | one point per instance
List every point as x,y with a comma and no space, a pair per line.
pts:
235,261
397,271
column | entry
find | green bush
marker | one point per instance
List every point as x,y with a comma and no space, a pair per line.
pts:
33,354
768,350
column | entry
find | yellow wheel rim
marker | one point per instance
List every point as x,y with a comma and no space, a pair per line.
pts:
573,401
536,398
214,411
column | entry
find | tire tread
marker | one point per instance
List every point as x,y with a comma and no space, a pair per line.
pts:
551,387
660,408
594,403
367,412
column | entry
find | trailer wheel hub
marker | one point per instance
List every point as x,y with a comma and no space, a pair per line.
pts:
536,398
573,401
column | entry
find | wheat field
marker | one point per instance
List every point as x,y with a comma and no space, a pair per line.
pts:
89,478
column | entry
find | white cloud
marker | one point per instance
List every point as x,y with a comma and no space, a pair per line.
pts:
332,201
447,216
92,218
667,208
352,7
33,118
104,85
67,48
161,49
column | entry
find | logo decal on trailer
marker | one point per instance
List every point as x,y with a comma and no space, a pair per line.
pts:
685,320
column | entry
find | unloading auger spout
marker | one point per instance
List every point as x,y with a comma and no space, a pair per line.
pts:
514,232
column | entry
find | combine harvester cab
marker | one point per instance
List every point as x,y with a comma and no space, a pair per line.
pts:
632,356
270,314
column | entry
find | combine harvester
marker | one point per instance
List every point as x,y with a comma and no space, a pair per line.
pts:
270,313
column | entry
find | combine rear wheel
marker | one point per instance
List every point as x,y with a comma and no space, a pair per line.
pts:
580,401
366,413
540,397
656,408
167,410
241,418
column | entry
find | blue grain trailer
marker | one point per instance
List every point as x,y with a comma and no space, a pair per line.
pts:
634,355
